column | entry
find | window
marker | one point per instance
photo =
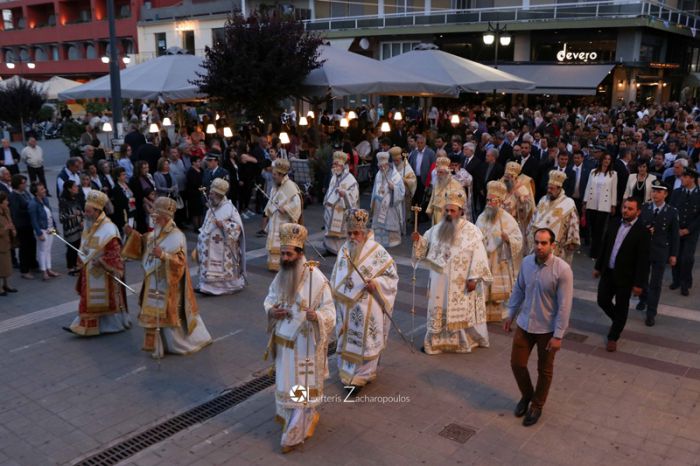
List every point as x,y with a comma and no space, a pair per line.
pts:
73,53
188,41
392,49
161,44
54,53
40,54
218,36
7,20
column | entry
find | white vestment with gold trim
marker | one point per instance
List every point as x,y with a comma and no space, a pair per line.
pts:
504,260
362,325
299,376
456,317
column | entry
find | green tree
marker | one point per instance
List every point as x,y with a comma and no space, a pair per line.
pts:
20,101
262,59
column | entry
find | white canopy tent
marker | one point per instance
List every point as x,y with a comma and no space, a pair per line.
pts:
462,74
347,73
166,78
57,84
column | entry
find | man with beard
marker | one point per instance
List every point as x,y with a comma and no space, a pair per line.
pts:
102,307
410,182
285,206
221,245
557,212
520,198
301,317
504,244
454,250
343,193
387,202
365,302
444,183
169,313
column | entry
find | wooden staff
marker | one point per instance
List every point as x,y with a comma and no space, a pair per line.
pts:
386,313
416,210
311,265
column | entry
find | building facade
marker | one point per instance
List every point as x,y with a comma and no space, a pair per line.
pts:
44,38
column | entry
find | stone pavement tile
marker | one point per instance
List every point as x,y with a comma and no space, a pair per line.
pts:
680,456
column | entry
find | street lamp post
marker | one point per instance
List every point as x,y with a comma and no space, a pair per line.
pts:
496,35
114,81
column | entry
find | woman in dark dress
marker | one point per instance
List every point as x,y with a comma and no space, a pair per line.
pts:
70,213
231,165
141,181
195,201
123,200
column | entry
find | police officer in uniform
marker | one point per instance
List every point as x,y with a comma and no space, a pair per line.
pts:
661,220
687,200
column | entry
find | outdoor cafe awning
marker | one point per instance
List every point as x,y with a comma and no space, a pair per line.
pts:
561,79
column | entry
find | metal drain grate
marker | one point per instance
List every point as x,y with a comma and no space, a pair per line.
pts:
577,337
156,434
162,431
457,433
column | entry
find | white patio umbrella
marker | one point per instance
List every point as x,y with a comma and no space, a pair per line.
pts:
464,75
166,78
346,73
57,84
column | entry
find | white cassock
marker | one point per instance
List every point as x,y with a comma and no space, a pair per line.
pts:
456,318
295,369
221,251
362,327
334,207
560,216
387,205
287,197
504,260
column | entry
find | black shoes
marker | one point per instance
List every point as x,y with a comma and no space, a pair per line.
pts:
650,322
674,286
533,415
641,305
685,292
521,407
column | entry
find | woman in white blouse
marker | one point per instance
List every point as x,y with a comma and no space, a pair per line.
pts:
600,201
639,184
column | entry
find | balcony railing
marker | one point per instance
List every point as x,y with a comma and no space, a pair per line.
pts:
591,10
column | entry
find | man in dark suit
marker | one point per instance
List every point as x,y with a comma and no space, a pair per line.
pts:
622,266
492,169
529,162
134,139
213,171
5,181
687,200
422,159
475,166
623,172
505,151
150,153
661,220
675,180
9,157
577,177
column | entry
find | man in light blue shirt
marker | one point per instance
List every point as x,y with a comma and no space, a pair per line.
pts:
540,305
